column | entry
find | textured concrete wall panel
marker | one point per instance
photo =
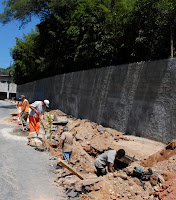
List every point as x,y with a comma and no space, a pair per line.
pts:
138,99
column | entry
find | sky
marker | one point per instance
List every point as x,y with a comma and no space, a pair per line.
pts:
8,33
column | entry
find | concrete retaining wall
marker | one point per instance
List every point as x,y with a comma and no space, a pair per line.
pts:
138,99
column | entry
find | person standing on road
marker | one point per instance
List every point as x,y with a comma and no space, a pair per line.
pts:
36,114
107,159
66,144
24,112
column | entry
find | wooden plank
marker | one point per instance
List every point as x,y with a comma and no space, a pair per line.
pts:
64,164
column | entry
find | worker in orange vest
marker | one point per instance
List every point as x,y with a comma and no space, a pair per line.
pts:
24,112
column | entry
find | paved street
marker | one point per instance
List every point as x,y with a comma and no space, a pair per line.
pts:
25,174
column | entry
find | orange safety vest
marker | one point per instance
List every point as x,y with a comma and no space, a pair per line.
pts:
27,106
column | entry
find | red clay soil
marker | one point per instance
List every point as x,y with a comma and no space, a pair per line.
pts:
168,189
161,155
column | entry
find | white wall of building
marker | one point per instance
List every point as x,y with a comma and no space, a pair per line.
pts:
7,85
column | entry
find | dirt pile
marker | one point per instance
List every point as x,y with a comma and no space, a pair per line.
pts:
162,155
90,141
167,191
142,179
123,184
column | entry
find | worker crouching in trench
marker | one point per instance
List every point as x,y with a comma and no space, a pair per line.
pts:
107,159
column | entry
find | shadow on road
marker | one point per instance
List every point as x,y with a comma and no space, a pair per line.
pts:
8,107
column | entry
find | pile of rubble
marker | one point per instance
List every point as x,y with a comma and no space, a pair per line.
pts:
143,177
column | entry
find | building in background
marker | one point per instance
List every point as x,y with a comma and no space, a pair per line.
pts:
7,87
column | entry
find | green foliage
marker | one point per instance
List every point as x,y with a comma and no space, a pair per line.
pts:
23,10
26,62
82,34
8,71
151,33
3,71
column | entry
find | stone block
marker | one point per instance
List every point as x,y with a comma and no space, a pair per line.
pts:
32,134
72,193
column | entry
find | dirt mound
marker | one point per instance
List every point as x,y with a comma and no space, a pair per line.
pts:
167,191
164,154
57,112
92,139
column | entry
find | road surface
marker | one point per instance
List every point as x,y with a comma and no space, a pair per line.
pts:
25,174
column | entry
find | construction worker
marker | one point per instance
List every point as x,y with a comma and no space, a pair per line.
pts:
107,159
36,115
66,144
24,112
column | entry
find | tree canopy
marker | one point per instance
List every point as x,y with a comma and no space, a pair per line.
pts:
83,34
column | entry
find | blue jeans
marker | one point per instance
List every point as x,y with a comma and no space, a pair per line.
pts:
66,156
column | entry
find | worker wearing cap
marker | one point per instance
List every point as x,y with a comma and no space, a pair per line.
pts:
66,144
24,111
36,114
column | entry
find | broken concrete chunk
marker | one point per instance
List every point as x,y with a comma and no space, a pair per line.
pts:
35,142
38,142
31,142
101,129
89,182
72,193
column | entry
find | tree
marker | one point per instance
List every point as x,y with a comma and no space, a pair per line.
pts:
82,34
27,65
149,30
23,10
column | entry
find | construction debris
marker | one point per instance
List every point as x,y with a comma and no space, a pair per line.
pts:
147,172
64,164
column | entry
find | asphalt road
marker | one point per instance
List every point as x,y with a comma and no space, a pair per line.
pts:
25,174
